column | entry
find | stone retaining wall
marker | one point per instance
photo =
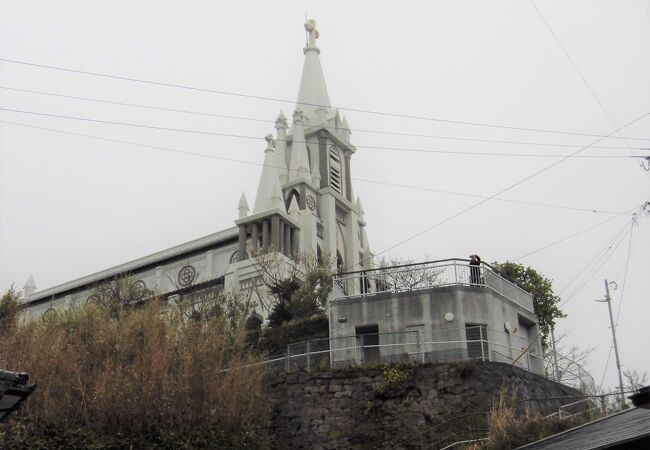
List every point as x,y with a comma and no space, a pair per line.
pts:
400,406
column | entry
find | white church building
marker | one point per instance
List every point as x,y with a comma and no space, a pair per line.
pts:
305,204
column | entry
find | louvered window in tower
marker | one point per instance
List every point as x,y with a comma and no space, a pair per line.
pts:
336,170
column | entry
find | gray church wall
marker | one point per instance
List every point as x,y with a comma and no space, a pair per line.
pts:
208,265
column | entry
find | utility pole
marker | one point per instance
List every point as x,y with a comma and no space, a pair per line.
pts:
611,321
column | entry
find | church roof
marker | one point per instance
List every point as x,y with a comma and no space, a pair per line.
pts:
154,259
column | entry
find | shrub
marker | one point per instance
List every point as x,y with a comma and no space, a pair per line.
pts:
274,340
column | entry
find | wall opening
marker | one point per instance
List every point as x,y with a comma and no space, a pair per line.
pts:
368,341
477,345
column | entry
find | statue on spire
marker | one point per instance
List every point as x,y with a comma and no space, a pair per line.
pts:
310,27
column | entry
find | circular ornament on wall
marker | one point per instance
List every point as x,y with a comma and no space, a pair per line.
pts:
186,275
311,202
139,288
49,314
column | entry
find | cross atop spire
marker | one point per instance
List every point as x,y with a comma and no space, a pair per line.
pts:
312,94
312,33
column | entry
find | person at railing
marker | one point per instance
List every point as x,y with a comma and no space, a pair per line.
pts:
474,270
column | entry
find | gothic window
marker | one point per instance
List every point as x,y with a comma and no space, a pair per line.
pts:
340,249
290,197
336,170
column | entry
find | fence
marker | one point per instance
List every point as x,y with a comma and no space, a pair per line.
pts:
426,275
475,343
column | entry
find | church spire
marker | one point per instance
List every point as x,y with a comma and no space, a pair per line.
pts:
281,157
29,288
312,95
299,165
243,206
269,185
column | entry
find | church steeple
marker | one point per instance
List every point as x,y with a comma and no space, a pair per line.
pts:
299,165
269,194
242,207
312,95
304,199
282,157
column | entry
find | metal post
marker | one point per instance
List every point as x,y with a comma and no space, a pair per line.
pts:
455,273
556,373
611,321
288,363
308,354
356,352
480,331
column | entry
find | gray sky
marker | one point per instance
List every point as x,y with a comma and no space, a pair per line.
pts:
70,205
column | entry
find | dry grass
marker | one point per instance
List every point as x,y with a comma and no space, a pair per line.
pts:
510,429
141,372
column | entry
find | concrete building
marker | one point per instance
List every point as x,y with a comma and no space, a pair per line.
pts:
433,311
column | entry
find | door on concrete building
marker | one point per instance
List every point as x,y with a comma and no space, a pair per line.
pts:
524,349
477,345
368,343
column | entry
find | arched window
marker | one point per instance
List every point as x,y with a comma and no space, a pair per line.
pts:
336,169
293,193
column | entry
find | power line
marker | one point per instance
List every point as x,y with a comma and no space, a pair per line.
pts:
273,99
609,251
627,265
601,253
575,67
523,180
242,136
252,119
572,235
364,180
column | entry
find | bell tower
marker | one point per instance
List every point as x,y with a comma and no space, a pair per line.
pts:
305,200
338,227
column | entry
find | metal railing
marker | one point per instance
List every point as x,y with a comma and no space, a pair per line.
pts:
426,275
445,345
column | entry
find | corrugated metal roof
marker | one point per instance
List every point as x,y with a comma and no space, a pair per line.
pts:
626,426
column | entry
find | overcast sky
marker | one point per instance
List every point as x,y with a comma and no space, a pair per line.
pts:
72,205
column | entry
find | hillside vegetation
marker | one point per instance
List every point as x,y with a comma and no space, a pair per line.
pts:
141,378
